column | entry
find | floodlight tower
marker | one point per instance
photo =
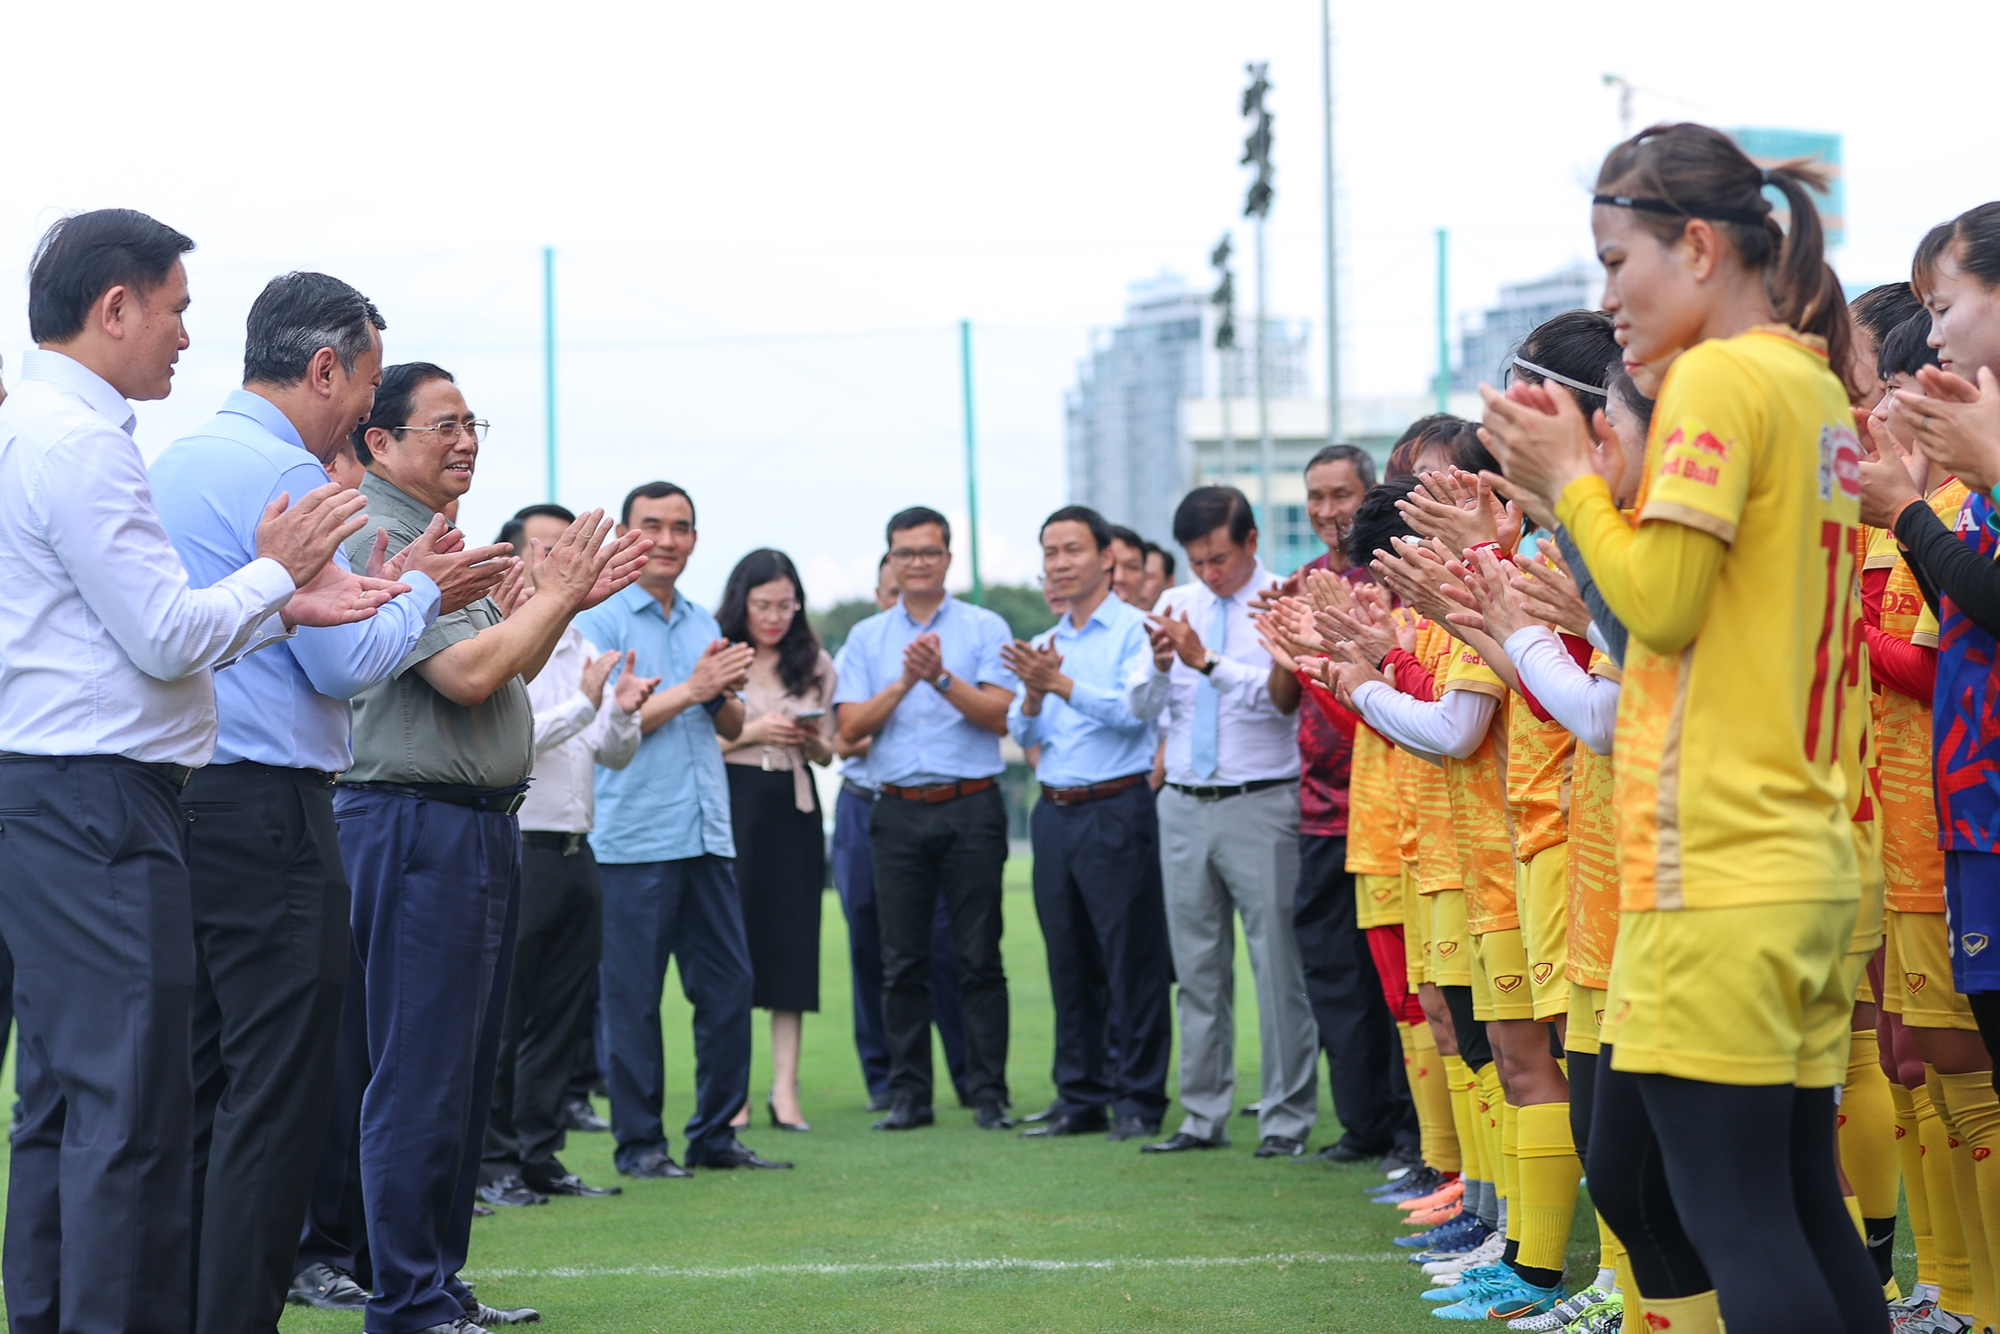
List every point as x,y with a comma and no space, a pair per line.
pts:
1225,348
1257,204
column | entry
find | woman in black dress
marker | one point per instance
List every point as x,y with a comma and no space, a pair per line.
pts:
780,844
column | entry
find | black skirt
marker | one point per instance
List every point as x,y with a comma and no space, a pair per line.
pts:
781,874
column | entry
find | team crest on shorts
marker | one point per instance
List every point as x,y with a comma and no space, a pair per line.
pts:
1382,894
1973,941
1915,982
1510,983
1447,948
1543,971
1600,1018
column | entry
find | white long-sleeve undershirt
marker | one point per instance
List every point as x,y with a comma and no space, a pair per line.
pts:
1453,725
1587,705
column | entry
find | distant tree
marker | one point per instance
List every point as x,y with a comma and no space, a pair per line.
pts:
1021,606
833,624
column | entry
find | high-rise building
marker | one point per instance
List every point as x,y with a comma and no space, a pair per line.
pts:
1485,349
1127,444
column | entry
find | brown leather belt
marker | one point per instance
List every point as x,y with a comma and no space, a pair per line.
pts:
934,793
1077,796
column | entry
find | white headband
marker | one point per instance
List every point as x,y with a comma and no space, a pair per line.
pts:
1548,374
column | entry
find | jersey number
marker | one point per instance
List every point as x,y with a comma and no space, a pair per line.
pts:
1833,537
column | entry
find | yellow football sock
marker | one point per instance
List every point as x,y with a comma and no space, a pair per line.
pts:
1868,1129
1510,1166
1910,1151
1854,1215
1459,1079
1954,1269
1965,1191
1549,1171
1975,1112
1698,1314
1486,1109
1430,1090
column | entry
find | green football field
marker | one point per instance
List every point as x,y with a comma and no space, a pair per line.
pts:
954,1228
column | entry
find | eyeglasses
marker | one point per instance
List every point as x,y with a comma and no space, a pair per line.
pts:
448,432
759,607
921,555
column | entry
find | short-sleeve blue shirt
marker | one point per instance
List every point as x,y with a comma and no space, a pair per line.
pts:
672,801
927,740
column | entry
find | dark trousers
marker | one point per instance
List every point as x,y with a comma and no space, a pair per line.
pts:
854,876
550,1003
1364,1057
97,916
1104,922
437,890
336,1226
271,946
957,849
687,910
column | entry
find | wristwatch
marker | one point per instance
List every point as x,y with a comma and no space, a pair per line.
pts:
943,682
1209,660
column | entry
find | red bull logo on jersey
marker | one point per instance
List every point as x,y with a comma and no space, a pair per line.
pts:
1839,462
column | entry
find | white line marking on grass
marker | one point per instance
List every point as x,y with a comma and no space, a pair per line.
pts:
1002,1265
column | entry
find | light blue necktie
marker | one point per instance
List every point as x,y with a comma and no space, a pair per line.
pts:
1202,742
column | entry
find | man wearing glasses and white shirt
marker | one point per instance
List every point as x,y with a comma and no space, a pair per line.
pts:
106,707
1229,832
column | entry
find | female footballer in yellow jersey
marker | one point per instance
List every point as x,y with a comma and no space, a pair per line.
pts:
1725,1032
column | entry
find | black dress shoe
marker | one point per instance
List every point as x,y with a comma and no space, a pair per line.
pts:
1036,1118
328,1288
1068,1123
509,1192
489,1317
731,1155
878,1102
461,1325
578,1114
1180,1142
483,1210
991,1114
655,1167
1129,1126
1281,1146
907,1114
569,1183
1340,1151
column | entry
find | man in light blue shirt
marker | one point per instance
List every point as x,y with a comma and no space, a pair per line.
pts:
925,680
666,858
270,896
1097,840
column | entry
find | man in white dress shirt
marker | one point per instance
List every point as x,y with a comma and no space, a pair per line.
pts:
106,708
552,995
1229,832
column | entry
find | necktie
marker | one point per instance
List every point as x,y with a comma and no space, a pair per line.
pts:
1203,741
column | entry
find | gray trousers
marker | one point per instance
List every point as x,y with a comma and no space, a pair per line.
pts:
1219,859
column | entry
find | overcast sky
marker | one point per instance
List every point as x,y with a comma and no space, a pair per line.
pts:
769,218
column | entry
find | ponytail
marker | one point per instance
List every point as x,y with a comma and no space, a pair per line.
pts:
1669,174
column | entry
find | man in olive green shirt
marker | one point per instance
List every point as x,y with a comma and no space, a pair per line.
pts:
442,752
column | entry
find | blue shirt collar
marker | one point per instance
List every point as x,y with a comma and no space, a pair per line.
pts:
265,413
636,600
68,373
936,616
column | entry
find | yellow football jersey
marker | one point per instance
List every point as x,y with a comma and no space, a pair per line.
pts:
1593,860
1478,787
1539,757
1371,807
1733,785
1912,863
1437,840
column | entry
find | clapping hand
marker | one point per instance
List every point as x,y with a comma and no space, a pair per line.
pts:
1039,669
1540,438
1886,484
632,689
723,668
595,673
1266,598
303,537
1550,591
1461,511
923,658
1173,638
338,597
1955,423
1493,604
1414,572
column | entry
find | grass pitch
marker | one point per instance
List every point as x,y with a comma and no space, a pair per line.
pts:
951,1228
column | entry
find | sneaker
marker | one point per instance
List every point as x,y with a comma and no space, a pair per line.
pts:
1601,1317
1487,1253
1451,1192
1937,1320
1445,1236
1564,1311
1431,1217
1909,1308
1504,1298
1474,1280
1410,1185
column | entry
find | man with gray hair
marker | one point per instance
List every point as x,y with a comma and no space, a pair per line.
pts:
270,895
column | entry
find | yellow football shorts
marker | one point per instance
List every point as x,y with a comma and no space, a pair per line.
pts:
1916,974
1416,928
1586,1012
1448,947
1759,994
1378,900
1500,987
1542,885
